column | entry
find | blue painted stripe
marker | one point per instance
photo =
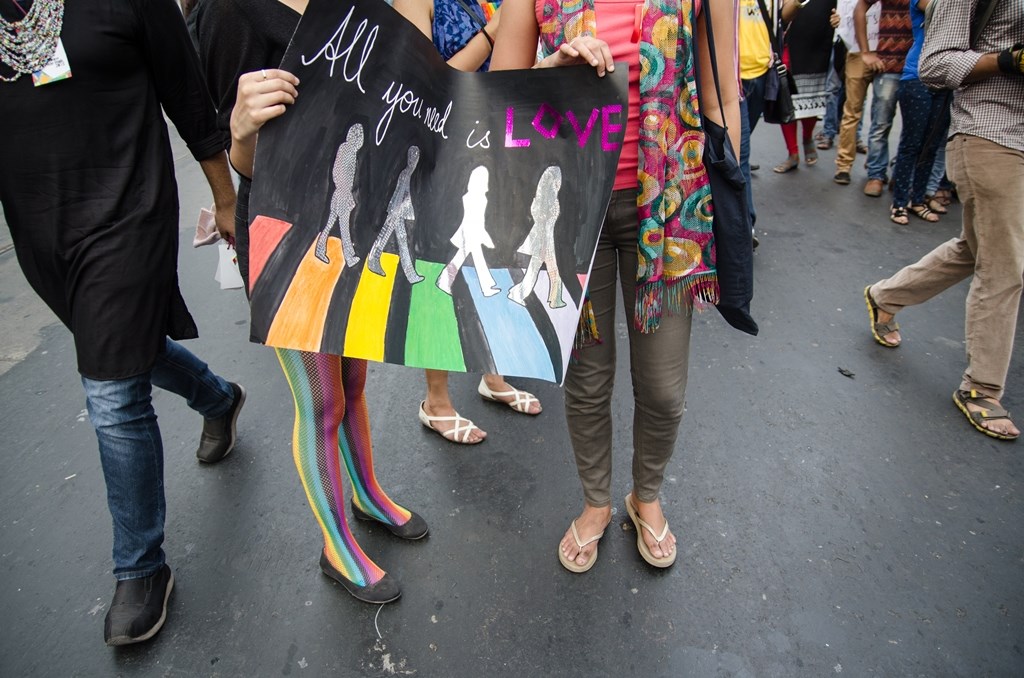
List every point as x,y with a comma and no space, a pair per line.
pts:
516,346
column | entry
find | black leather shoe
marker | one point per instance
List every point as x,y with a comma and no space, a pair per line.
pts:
218,438
413,529
139,608
384,591
842,178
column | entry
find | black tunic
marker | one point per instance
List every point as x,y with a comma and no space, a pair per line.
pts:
87,178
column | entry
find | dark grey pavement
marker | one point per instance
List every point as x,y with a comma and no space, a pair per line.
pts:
827,525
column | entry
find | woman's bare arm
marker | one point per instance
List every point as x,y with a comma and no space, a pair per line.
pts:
723,19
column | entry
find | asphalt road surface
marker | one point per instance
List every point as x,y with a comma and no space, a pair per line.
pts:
827,524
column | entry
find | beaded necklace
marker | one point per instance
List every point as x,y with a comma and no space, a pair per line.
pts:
28,45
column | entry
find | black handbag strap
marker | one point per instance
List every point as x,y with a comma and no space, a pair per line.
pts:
473,15
705,9
982,13
767,23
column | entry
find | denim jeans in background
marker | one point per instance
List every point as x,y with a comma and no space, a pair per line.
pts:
131,451
834,108
745,157
884,90
753,94
938,178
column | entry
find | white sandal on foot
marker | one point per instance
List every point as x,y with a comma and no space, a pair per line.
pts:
456,434
571,564
521,400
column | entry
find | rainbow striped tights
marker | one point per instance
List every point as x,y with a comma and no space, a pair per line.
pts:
332,428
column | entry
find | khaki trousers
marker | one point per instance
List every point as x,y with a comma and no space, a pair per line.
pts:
658,366
857,82
990,182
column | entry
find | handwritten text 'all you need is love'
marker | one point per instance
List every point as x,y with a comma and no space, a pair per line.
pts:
353,50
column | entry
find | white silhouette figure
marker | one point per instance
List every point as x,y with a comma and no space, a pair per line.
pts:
400,211
342,201
540,242
471,237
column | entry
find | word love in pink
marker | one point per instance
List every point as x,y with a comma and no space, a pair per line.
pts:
548,121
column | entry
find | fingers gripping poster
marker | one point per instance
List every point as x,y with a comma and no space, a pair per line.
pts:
405,212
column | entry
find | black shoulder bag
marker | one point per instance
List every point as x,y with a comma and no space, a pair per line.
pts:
734,251
779,87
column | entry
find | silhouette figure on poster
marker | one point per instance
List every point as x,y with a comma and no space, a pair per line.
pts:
540,242
471,237
400,211
342,201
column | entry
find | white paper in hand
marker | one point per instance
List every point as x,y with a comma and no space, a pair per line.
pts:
227,268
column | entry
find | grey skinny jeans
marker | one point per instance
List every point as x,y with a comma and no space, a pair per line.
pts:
658,365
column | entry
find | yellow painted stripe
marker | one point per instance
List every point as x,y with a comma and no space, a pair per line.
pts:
368,319
299,322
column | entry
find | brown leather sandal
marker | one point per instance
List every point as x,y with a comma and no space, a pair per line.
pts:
990,411
880,329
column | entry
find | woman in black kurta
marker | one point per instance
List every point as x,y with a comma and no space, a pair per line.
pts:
87,186
87,179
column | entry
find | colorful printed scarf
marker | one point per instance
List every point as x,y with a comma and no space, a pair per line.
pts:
675,261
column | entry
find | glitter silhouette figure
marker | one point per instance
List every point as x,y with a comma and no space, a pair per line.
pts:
471,237
399,212
540,241
342,201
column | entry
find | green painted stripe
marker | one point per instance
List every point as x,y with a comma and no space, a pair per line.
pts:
432,337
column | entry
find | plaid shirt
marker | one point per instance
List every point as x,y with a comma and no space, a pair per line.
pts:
993,108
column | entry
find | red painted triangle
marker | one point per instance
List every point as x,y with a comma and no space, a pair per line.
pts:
264,236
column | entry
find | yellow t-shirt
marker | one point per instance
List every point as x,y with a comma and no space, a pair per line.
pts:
754,44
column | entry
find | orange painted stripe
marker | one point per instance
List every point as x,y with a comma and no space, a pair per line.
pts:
299,322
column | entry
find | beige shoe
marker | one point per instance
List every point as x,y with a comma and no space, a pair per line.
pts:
571,564
641,545
874,188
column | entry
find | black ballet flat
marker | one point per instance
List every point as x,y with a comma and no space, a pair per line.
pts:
384,591
413,529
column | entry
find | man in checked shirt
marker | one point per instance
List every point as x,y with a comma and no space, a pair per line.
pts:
985,157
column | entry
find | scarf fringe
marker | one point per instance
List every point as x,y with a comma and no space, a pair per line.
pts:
586,332
654,299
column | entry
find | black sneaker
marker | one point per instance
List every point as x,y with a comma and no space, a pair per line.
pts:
218,438
842,178
139,608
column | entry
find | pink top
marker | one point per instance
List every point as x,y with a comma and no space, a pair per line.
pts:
618,24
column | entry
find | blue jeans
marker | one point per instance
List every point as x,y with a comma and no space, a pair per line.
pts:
885,90
938,178
745,157
131,451
834,108
753,93
925,116
750,112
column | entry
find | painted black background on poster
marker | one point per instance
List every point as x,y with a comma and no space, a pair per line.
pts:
376,49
